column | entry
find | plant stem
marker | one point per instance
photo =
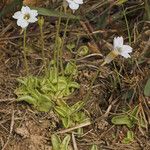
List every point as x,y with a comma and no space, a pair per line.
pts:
92,83
56,51
125,17
43,53
61,50
25,53
56,48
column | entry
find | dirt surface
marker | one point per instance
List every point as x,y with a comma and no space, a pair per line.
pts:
24,128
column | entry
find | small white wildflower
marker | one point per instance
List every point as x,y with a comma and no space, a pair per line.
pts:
74,4
25,16
122,49
119,49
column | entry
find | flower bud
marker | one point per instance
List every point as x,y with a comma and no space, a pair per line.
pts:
111,56
40,21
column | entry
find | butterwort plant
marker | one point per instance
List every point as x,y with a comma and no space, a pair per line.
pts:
24,18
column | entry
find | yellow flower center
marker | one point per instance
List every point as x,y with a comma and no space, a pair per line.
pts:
26,16
119,49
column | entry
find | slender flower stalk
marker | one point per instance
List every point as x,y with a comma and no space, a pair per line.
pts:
127,24
57,47
62,45
25,52
57,39
24,18
41,23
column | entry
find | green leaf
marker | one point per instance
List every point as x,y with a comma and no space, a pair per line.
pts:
122,120
67,122
62,111
34,93
80,132
48,87
71,68
21,91
52,74
79,117
62,103
48,12
71,46
28,99
142,122
61,79
22,81
67,91
94,147
55,142
76,107
74,85
129,138
133,114
44,103
65,143
83,50
147,88
62,86
130,134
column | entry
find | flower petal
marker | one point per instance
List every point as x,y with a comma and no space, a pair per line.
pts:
78,1
73,6
118,42
126,48
32,19
25,10
69,1
22,23
33,13
18,15
125,55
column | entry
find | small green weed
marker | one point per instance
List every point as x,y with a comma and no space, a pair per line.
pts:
147,88
94,147
130,119
57,144
129,138
70,116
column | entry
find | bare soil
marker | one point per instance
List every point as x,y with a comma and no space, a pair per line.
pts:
24,128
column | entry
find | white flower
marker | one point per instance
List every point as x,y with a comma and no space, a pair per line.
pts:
74,4
120,48
25,16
